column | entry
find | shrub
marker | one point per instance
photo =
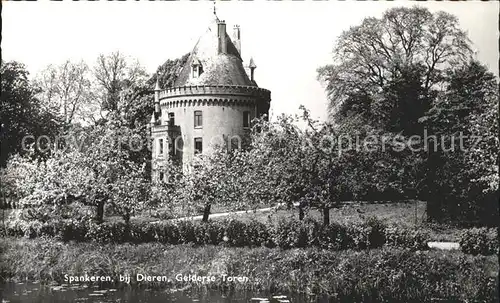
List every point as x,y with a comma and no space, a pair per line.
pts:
285,234
414,239
257,234
357,235
187,232
291,234
32,229
234,233
334,236
483,241
119,232
365,235
142,232
208,232
48,229
167,232
100,233
14,231
376,232
68,230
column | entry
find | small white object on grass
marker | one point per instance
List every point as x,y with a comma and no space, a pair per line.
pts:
444,245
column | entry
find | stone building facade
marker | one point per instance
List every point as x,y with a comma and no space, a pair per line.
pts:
211,103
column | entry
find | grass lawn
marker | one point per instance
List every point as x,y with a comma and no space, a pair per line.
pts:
407,213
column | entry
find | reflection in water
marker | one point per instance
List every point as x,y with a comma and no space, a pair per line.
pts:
34,292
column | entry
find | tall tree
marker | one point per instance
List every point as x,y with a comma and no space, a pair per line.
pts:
23,117
113,74
387,69
136,102
464,121
168,72
67,89
411,72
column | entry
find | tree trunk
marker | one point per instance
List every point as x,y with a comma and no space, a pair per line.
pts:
126,232
206,212
126,218
326,215
99,216
301,212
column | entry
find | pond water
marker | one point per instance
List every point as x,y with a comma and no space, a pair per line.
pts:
35,292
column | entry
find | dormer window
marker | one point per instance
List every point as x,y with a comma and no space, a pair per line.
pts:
197,69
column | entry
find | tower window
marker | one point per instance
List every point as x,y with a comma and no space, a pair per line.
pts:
246,119
198,119
171,119
198,145
162,176
160,147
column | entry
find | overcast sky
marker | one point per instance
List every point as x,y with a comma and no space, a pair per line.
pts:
288,40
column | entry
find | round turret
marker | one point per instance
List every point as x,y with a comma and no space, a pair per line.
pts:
212,102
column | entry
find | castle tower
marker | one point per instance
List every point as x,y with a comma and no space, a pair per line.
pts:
211,103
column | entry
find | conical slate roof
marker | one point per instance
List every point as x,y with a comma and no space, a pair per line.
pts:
218,69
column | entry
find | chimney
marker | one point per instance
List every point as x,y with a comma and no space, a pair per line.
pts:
252,67
221,34
236,38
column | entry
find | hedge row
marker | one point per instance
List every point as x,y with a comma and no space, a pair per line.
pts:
479,241
285,234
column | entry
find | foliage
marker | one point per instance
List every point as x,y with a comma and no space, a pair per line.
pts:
106,232
382,275
95,172
415,239
23,116
66,89
463,169
318,165
483,241
169,71
412,73
114,73
369,234
407,48
286,234
291,234
258,234
45,188
222,176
